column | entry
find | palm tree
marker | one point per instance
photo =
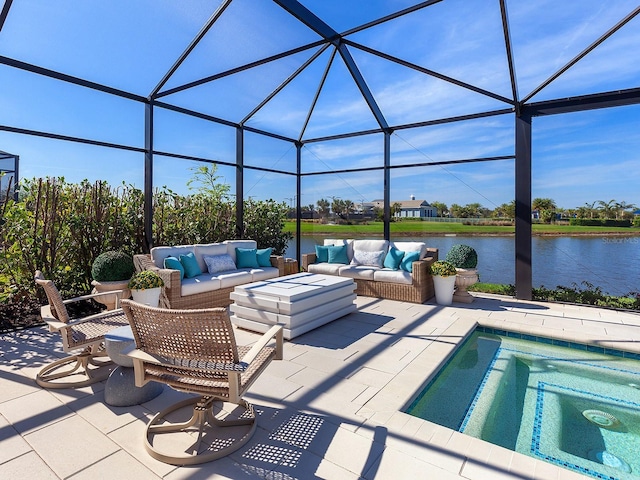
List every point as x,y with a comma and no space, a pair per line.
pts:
607,208
323,208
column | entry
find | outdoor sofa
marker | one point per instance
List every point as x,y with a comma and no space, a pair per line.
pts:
382,269
220,267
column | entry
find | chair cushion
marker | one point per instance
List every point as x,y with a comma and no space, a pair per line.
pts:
373,245
246,258
173,263
190,264
392,276
199,284
264,273
235,277
219,263
363,257
338,254
264,257
325,268
393,258
358,271
322,254
408,259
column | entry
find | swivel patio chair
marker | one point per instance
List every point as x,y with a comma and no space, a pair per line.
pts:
195,351
86,334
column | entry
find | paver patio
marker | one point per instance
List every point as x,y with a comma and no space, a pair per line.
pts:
329,410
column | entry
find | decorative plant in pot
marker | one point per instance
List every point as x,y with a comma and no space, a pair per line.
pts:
146,287
465,259
444,279
111,270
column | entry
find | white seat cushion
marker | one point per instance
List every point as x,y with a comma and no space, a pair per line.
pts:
233,278
371,245
264,273
357,271
202,283
392,276
325,268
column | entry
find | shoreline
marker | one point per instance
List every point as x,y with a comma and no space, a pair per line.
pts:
471,234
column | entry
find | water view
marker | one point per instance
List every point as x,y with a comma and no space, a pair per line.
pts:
610,262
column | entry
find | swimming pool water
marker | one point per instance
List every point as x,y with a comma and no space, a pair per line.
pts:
577,409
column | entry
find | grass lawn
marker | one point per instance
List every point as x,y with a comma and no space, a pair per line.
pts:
418,228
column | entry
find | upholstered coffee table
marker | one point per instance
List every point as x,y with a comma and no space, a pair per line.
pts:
300,302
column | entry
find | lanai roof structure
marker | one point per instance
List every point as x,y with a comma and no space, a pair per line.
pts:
160,82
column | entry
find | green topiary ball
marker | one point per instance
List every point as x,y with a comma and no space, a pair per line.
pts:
462,256
112,266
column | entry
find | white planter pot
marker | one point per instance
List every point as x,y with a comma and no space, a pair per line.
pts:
464,279
444,289
148,296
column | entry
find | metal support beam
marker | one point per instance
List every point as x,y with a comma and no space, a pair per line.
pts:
509,50
16,178
523,208
4,12
307,17
298,203
239,182
362,85
620,98
387,185
148,176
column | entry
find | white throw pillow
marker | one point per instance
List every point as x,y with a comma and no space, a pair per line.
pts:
374,259
219,263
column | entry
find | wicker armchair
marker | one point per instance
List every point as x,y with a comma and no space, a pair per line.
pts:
85,334
195,351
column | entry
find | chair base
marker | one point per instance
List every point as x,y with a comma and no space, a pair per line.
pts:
85,366
217,441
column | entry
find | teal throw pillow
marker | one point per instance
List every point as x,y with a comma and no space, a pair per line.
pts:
408,259
173,263
393,258
322,254
264,257
190,265
338,254
247,258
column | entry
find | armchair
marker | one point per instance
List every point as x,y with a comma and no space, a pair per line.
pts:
195,351
84,334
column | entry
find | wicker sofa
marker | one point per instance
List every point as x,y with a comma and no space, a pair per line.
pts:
207,289
366,265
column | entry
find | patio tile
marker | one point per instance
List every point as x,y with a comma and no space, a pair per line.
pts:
34,411
29,465
12,445
70,445
118,462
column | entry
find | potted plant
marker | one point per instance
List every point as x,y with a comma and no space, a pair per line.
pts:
111,270
146,287
444,279
465,259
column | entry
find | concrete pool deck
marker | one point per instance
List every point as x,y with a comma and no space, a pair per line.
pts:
330,409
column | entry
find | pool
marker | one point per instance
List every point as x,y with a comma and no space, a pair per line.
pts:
572,407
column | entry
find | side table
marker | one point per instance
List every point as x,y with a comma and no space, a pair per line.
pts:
121,390
291,266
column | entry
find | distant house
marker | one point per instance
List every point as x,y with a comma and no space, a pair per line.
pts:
411,208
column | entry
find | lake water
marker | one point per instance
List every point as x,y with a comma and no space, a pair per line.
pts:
611,263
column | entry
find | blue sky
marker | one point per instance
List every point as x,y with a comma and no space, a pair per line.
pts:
577,158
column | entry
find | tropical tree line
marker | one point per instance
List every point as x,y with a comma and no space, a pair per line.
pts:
544,209
60,227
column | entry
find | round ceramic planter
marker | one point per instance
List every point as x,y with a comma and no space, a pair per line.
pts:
110,300
464,279
444,289
148,296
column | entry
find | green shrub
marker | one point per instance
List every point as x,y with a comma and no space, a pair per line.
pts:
112,266
462,256
599,222
636,221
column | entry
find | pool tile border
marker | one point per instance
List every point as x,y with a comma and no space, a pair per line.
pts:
559,343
